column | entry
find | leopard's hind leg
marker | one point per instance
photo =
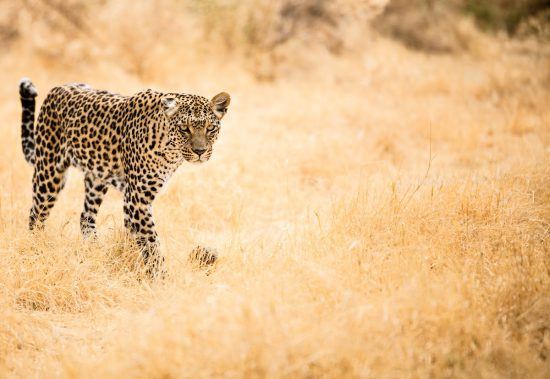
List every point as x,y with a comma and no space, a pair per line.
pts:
50,164
47,182
95,190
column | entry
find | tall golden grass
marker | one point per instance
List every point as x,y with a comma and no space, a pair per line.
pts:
378,212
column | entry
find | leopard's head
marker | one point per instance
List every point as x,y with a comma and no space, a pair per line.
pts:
194,123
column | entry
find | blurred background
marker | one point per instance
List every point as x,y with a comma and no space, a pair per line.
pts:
150,38
379,193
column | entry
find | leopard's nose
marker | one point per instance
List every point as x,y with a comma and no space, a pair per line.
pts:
199,152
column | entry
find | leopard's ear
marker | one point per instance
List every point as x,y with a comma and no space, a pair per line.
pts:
170,104
219,104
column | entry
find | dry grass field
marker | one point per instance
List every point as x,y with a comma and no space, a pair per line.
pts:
379,212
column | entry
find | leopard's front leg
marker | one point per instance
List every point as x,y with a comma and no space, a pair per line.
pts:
138,219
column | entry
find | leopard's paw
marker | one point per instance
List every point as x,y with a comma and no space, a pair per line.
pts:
202,256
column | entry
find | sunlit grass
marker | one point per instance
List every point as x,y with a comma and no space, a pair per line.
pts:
380,213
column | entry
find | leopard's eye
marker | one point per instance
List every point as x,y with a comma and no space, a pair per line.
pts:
185,128
212,126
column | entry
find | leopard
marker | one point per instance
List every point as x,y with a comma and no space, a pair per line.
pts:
132,143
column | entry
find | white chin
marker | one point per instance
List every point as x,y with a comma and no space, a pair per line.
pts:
197,160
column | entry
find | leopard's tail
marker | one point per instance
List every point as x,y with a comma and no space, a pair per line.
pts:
27,92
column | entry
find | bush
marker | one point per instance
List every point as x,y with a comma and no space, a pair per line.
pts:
436,26
503,14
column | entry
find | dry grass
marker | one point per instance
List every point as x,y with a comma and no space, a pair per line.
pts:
378,213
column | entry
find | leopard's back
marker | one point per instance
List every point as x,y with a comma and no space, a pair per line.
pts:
85,126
